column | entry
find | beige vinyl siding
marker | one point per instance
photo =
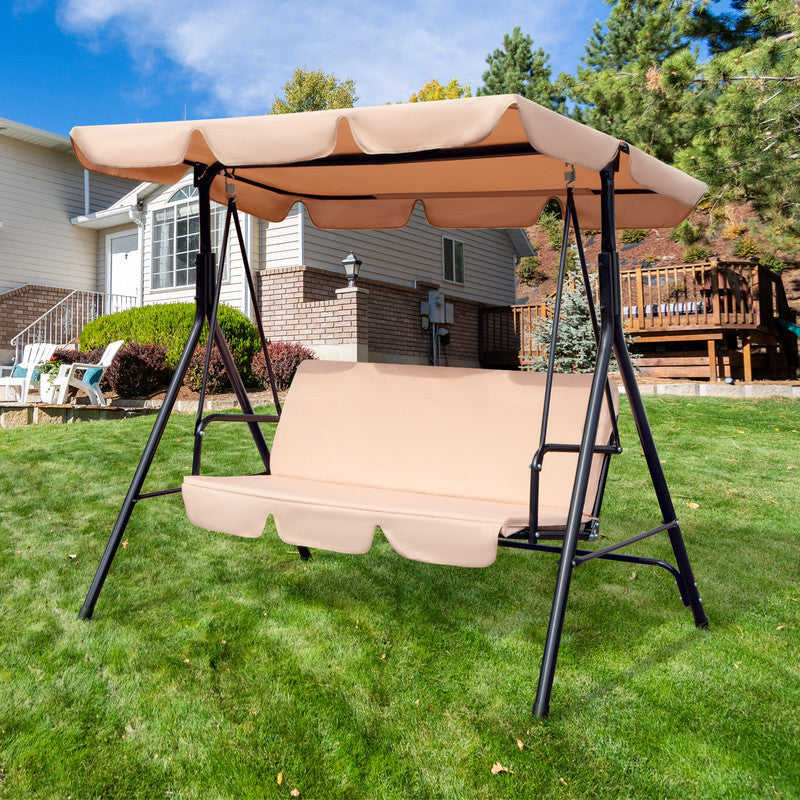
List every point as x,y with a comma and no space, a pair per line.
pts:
281,242
40,189
415,253
105,190
232,290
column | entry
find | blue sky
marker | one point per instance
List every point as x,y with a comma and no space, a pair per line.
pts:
83,62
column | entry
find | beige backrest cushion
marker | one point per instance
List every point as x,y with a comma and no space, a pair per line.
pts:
439,430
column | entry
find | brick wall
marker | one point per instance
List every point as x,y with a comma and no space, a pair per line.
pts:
379,320
20,307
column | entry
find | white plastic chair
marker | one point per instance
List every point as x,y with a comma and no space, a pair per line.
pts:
7,370
86,377
20,376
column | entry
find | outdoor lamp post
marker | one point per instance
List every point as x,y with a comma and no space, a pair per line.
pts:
351,267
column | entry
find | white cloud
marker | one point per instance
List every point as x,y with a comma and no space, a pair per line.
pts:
240,54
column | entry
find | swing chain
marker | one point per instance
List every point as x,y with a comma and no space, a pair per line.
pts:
569,174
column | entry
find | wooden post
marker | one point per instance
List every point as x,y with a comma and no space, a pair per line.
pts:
715,295
712,360
639,324
747,351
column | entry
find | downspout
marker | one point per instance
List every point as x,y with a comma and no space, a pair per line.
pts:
301,239
247,306
137,216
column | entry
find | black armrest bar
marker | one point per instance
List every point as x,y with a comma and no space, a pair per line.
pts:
200,430
203,424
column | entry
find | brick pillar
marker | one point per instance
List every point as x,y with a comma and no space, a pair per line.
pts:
353,302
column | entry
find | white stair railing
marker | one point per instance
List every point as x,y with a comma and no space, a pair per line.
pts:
63,323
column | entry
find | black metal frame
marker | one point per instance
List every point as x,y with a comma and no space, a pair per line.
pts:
207,291
610,338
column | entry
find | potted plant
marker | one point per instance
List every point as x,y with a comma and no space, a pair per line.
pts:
47,375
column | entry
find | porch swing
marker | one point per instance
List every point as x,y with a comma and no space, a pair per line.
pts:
365,445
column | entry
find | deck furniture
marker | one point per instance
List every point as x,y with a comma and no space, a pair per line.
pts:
25,374
86,377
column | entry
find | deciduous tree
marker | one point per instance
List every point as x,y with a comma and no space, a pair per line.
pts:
313,90
433,90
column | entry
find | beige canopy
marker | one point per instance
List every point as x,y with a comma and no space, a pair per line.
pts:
480,162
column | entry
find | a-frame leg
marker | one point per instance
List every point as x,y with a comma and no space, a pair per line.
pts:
611,337
686,585
142,469
541,705
204,300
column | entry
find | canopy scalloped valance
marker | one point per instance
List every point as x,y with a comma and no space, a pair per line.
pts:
480,162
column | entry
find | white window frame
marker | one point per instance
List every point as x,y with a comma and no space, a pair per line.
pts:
183,199
454,249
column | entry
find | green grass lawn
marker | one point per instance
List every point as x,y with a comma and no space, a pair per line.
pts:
219,667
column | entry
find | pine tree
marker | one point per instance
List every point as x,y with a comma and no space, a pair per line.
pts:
519,69
634,31
637,81
748,149
576,349
737,27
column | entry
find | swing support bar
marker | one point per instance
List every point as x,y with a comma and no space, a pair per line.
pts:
206,302
611,338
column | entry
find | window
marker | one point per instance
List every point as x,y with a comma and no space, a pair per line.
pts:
176,239
453,260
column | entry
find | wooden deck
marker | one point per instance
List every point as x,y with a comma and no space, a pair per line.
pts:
710,319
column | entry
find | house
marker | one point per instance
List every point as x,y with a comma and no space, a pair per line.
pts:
43,256
137,245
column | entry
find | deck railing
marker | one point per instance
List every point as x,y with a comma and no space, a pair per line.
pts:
706,294
63,323
702,296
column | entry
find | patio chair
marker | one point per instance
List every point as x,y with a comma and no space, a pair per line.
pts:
86,377
22,375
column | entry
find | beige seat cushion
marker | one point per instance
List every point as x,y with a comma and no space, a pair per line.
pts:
437,457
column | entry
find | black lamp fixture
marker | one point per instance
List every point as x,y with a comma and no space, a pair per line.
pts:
351,267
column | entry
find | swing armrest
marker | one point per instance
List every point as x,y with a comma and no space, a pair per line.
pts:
207,420
538,459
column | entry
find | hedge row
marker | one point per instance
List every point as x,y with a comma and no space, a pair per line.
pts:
169,324
155,337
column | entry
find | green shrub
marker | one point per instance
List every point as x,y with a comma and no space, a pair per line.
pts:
529,271
632,235
169,324
734,230
745,247
553,226
686,233
695,252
